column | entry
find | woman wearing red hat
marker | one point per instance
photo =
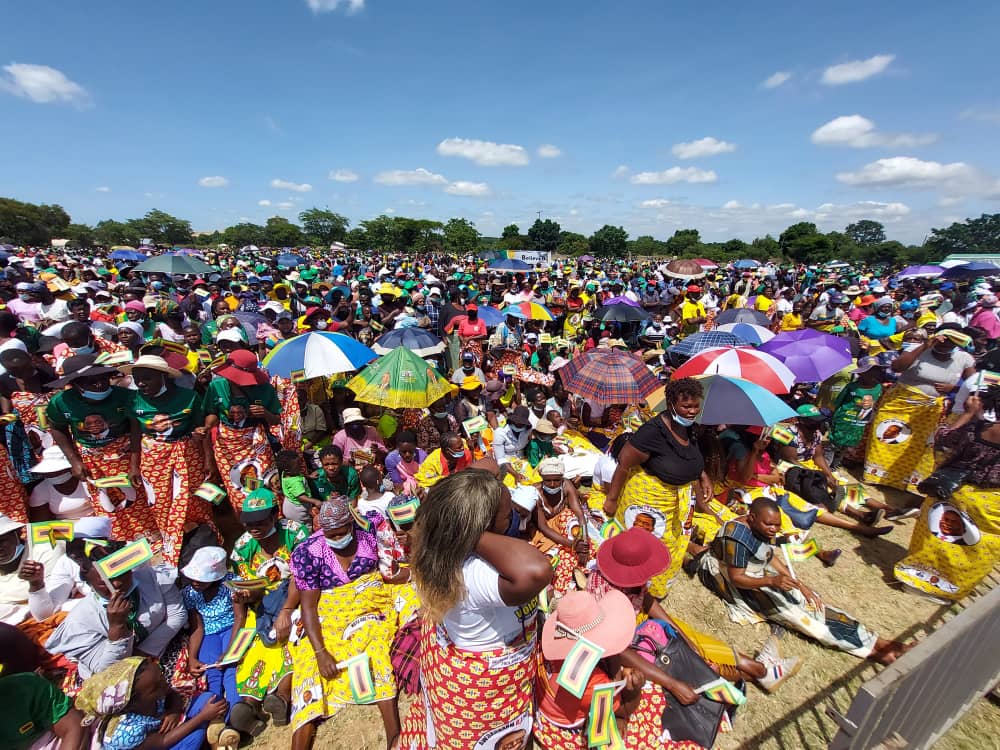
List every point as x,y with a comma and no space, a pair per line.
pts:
240,405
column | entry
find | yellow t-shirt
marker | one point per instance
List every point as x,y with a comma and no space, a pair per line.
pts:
762,303
791,322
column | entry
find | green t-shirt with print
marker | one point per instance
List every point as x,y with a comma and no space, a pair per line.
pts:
171,416
92,423
32,705
231,403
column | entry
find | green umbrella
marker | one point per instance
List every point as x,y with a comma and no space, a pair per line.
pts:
399,380
174,264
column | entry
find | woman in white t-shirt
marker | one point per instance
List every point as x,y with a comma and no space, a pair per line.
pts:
60,495
479,590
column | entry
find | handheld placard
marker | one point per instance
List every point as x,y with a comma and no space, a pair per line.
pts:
363,523
210,493
782,435
246,584
50,532
128,558
116,480
474,426
297,376
722,691
578,665
405,513
113,359
610,528
602,730
359,678
238,648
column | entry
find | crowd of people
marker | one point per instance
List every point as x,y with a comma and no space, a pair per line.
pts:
504,552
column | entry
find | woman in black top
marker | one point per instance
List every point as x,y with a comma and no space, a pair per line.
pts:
661,477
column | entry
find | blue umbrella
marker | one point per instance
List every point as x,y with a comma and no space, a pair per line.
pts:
971,270
132,255
737,401
317,354
743,315
510,264
696,342
491,316
746,263
417,340
290,260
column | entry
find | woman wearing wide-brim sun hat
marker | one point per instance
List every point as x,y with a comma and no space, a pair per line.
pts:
174,449
94,424
561,719
240,405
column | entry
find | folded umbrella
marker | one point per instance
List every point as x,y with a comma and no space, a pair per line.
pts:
746,363
317,354
608,376
812,355
736,401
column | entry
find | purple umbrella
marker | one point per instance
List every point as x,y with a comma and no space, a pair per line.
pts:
918,272
621,300
812,355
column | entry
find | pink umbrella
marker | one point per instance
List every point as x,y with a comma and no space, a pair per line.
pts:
737,362
706,263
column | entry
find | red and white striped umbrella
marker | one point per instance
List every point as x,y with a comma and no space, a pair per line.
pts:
739,362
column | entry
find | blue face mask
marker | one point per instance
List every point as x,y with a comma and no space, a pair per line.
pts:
514,529
552,490
682,421
88,349
341,543
95,395
17,551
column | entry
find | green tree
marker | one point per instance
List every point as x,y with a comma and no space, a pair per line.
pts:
280,232
866,232
323,226
646,245
460,237
970,236
609,241
571,243
764,247
804,244
544,235
511,230
683,242
735,249
161,227
241,235
380,234
31,224
80,235
417,235
110,232
357,239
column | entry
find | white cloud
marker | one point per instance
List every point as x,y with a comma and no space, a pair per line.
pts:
285,205
42,84
548,151
473,189
655,203
856,70
304,187
620,172
325,6
859,132
343,175
707,146
213,182
484,153
389,211
419,176
673,175
776,79
732,205
103,189
264,202
908,171
981,115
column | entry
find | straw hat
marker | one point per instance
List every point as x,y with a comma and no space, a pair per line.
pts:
151,362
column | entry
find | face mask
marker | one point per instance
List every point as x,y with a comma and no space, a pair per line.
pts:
17,551
161,391
544,438
469,368
322,325
440,415
456,454
96,395
516,429
942,354
61,478
341,543
552,490
272,532
682,421
882,313
88,349
421,308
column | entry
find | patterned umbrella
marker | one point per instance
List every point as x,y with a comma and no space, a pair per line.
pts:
743,315
529,311
812,355
317,354
399,380
697,342
685,269
752,332
608,376
417,340
748,364
735,401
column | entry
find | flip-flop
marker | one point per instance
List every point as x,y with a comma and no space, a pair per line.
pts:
831,559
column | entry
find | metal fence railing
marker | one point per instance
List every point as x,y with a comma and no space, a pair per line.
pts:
914,701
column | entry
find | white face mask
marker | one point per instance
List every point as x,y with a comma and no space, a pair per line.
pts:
341,543
17,551
161,391
61,478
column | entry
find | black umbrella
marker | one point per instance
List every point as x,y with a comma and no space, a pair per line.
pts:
743,315
621,314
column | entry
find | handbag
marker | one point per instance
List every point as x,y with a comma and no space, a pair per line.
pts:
943,483
700,721
811,486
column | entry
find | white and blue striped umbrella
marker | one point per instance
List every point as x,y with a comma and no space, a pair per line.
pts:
317,354
753,333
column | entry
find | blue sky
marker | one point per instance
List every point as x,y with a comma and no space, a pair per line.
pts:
735,119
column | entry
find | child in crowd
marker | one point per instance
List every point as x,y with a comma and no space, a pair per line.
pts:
299,502
373,496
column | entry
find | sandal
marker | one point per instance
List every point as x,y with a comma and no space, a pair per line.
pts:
277,707
244,718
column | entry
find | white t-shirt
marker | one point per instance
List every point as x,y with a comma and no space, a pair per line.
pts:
72,506
604,469
379,503
481,621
